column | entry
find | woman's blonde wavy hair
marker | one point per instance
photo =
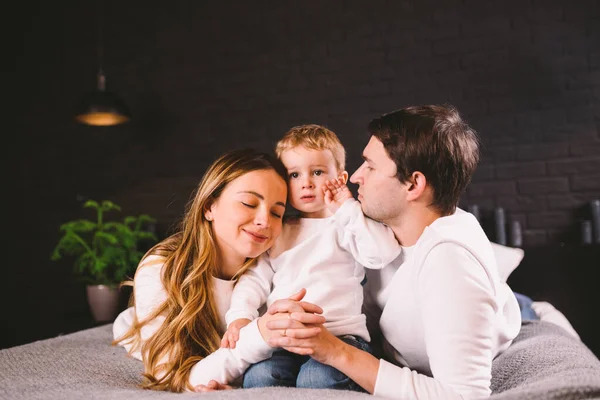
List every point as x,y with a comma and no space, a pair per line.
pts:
191,331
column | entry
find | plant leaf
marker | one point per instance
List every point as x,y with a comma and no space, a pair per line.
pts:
110,238
129,220
109,205
80,225
91,204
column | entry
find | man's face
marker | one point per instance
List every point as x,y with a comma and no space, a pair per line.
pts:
381,194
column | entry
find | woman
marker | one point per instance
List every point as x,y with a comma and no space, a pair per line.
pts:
183,285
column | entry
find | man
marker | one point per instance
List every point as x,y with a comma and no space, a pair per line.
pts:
442,309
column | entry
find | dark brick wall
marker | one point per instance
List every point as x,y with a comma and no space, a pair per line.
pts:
204,78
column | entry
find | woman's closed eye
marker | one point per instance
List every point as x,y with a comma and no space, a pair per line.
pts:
273,213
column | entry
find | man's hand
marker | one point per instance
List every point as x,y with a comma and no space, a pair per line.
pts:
233,333
336,192
211,387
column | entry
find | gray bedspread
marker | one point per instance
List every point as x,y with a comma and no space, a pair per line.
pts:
544,362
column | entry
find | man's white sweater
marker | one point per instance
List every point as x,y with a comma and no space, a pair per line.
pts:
444,314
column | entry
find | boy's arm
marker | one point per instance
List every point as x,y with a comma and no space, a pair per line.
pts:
372,243
251,291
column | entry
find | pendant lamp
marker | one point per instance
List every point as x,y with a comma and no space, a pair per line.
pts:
101,107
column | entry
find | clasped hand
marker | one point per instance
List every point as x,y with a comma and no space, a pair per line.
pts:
291,324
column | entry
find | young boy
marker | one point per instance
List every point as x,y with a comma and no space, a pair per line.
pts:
324,251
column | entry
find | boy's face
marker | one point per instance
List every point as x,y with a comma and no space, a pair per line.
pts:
307,171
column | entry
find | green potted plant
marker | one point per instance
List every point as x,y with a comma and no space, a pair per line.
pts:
105,253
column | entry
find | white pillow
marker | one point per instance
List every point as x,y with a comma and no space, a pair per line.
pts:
507,259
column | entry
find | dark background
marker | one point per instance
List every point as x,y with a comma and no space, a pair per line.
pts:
205,77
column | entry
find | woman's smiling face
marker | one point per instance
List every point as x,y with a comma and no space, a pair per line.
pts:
247,216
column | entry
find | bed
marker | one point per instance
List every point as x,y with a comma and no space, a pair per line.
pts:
544,362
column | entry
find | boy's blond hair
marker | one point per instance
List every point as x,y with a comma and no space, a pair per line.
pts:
314,137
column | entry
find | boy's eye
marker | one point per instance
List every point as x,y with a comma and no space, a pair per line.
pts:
318,172
294,175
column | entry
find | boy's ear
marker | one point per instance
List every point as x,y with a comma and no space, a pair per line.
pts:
344,176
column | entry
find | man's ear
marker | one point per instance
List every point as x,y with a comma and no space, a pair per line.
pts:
344,176
417,185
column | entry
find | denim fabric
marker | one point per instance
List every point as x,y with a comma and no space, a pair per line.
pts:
293,370
527,313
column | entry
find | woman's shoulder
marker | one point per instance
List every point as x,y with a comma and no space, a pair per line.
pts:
150,266
153,260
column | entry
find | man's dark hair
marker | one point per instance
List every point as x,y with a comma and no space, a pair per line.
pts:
435,141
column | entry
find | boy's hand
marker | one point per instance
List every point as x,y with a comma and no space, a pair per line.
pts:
336,192
233,333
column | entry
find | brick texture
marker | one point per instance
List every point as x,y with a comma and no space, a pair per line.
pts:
205,77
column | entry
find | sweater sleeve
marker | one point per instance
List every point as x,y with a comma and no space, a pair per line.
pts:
251,291
372,243
457,311
226,365
149,295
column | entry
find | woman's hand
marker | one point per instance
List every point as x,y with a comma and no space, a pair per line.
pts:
211,387
301,318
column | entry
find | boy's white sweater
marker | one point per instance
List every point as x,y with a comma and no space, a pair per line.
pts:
325,256
444,314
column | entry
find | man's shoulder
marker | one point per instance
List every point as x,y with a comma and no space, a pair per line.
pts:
458,232
460,227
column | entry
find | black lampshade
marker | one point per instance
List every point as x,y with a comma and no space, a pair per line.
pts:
101,107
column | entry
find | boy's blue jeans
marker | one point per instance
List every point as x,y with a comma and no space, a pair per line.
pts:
293,370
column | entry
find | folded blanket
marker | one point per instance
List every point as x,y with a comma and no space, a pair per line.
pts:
543,363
